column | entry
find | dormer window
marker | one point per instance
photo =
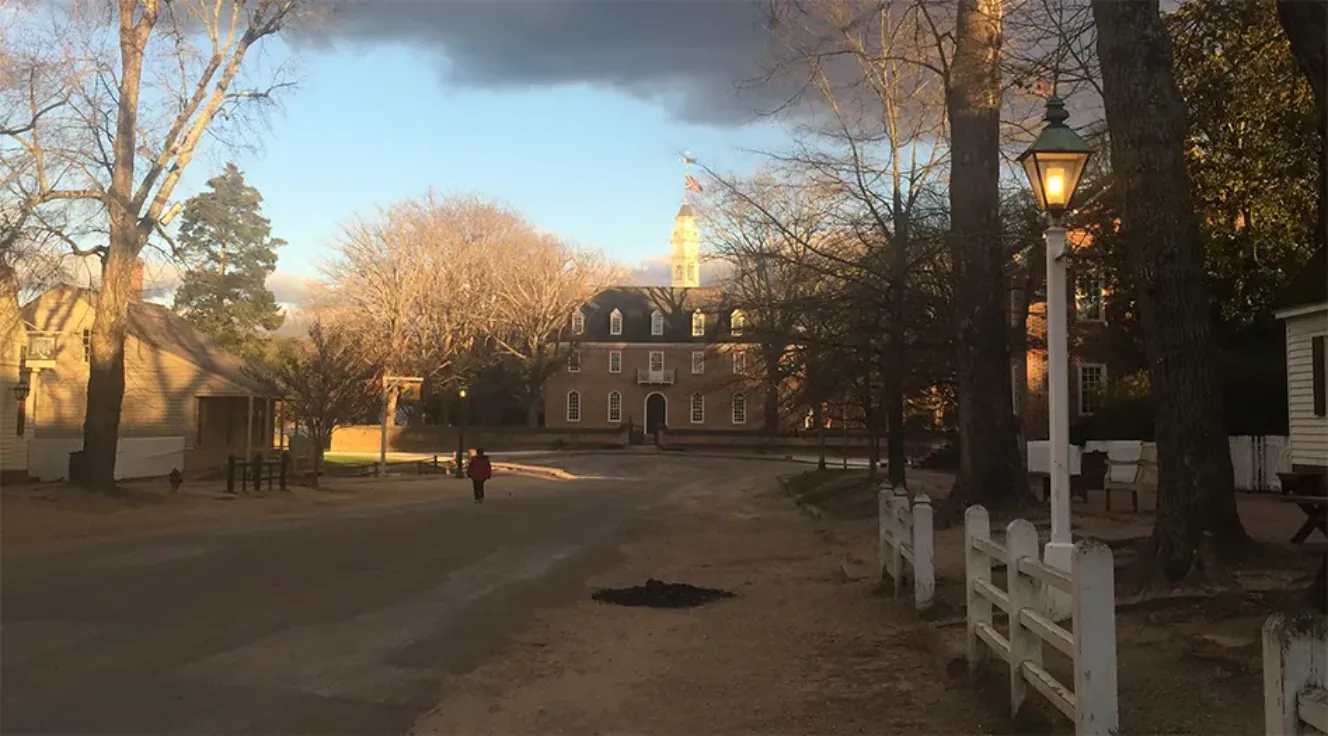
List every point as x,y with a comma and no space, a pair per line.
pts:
698,324
657,322
615,323
737,321
578,323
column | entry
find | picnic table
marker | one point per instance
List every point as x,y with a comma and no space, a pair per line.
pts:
1307,491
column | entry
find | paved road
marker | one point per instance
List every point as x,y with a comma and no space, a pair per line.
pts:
342,624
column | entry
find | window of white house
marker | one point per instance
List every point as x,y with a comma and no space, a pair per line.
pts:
656,361
578,323
740,361
1092,382
698,324
737,322
615,406
657,322
615,322
615,361
698,362
573,406
679,273
691,272
87,346
574,361
1090,292
739,409
698,408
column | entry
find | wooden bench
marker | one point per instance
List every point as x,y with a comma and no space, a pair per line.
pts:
1142,478
1307,491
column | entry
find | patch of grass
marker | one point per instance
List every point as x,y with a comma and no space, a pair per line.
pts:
845,493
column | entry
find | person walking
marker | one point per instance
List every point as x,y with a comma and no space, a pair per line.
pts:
479,471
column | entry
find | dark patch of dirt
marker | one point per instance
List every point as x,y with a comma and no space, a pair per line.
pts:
659,594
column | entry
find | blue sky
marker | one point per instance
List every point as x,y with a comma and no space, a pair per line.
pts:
374,123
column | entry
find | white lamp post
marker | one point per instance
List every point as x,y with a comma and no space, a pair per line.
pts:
1054,164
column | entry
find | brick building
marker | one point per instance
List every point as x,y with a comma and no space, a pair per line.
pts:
655,357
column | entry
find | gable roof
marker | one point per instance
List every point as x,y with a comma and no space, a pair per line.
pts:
153,325
1310,286
638,303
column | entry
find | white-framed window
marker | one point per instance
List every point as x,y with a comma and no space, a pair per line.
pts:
740,361
1090,297
679,273
87,346
574,361
737,322
615,406
698,408
578,323
573,406
615,361
657,322
615,322
691,273
656,361
698,324
739,409
698,362
1092,383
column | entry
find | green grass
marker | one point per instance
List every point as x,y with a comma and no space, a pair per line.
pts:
848,493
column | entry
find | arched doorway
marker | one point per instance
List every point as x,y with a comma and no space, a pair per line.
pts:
657,412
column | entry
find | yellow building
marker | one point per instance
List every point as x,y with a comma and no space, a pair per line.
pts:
186,402
13,379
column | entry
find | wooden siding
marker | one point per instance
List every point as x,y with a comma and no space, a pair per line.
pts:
13,449
1309,433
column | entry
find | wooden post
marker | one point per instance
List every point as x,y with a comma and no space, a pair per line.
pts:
285,466
884,514
902,532
1093,573
1295,659
977,566
1021,541
249,429
924,553
230,473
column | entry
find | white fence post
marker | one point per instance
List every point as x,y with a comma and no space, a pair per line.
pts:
1021,541
884,524
902,533
977,566
1295,660
924,553
1093,573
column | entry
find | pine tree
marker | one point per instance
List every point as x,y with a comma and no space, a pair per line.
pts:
230,249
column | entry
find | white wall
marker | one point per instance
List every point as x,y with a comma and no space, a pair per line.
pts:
1309,434
136,457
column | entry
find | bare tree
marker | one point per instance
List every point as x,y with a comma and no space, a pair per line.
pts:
1196,518
327,379
146,81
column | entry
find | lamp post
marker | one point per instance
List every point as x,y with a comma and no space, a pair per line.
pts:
1054,164
24,385
461,435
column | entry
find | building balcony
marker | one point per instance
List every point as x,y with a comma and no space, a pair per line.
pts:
663,377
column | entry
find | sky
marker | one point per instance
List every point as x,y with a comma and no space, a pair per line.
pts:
573,111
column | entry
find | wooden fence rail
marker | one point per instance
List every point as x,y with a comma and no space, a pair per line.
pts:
906,534
1091,642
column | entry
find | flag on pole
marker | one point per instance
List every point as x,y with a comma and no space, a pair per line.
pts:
691,183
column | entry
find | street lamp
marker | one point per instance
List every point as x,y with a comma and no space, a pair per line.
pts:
1054,164
24,385
461,435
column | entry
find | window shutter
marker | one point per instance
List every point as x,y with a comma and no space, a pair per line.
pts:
1318,370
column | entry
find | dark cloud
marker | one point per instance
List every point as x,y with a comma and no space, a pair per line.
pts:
702,59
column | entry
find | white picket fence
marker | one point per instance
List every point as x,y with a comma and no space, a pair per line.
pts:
1295,674
906,535
1090,644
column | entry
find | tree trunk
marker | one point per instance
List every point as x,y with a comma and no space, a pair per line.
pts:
990,471
1306,25
896,359
393,396
533,408
101,423
818,416
770,422
1196,507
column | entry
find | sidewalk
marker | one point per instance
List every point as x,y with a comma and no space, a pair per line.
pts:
800,650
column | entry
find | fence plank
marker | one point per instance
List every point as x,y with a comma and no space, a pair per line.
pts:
977,526
924,553
884,514
1021,541
1295,661
902,533
1093,572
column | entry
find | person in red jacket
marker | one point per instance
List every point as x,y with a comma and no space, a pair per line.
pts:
479,471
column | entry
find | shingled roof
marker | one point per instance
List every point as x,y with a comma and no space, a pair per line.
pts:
154,325
638,303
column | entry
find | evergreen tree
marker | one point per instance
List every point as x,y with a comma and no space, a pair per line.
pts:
229,247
